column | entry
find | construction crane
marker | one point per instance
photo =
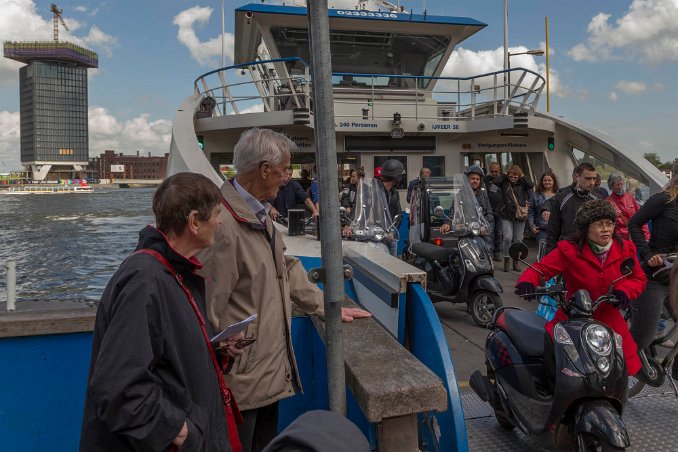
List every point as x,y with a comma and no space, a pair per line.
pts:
57,18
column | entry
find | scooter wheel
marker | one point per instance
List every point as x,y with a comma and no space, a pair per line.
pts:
586,442
503,420
482,306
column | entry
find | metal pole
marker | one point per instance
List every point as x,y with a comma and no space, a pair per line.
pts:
330,235
11,285
223,60
506,52
548,75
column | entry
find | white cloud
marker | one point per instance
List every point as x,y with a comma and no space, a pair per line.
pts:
648,30
631,87
10,158
81,9
613,97
206,53
20,21
465,63
100,40
105,132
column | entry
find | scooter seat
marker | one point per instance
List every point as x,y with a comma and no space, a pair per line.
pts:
526,330
431,252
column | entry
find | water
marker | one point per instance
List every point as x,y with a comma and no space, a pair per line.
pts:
67,246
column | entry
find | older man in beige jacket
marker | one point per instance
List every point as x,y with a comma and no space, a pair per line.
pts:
248,273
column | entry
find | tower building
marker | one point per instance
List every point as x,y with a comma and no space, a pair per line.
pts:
53,105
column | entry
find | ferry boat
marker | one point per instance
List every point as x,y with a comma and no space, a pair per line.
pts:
41,189
391,100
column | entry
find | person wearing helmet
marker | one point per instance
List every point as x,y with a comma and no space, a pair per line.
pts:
590,259
475,175
392,171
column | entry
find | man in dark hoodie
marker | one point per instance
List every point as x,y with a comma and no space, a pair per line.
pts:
154,382
561,209
495,196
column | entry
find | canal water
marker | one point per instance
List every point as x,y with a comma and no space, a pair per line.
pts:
67,246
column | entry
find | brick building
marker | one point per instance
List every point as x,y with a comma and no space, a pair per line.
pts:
132,166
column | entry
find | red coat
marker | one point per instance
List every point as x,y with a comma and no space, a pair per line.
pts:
625,206
582,270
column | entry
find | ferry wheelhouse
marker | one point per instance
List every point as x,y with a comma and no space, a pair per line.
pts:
394,97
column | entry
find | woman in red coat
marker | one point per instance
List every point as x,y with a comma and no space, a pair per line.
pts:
591,260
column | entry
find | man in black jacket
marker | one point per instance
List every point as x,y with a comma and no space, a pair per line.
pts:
495,196
153,384
561,209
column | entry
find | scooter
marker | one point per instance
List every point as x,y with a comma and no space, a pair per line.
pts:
463,273
372,222
565,392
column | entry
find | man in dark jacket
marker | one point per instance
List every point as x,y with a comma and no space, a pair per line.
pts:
561,209
289,195
494,194
391,172
152,382
475,176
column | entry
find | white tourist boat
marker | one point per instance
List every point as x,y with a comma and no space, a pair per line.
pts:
44,189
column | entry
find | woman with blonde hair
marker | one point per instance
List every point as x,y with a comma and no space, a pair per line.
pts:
662,209
516,191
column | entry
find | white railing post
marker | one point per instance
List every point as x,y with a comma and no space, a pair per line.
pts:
10,266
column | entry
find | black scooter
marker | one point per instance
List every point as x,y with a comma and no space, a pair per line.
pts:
461,272
563,393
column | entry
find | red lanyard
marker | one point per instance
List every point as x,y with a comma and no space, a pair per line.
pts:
230,407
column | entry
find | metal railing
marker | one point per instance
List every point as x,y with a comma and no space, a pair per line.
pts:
374,96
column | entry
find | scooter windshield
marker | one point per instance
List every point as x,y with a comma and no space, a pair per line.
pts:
372,219
467,217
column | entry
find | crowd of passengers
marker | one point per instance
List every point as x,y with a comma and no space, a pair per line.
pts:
214,258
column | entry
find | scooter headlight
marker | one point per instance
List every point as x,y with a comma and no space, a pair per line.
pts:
603,363
378,233
598,339
475,228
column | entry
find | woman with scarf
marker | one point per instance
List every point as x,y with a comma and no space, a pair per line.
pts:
591,259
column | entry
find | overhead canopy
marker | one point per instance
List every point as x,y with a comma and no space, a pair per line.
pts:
365,42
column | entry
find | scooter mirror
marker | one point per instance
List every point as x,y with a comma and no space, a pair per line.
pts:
439,212
627,266
518,251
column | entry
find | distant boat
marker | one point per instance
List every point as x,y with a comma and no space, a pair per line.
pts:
47,189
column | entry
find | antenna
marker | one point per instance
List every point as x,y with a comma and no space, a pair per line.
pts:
57,18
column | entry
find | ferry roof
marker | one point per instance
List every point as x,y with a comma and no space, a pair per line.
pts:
254,20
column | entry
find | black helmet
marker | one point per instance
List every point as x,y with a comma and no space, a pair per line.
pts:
392,169
475,169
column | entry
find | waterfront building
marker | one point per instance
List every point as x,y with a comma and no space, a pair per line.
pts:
53,107
110,165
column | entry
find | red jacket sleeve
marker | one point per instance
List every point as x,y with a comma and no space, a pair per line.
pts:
551,265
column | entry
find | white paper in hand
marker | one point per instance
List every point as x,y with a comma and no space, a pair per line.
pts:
234,329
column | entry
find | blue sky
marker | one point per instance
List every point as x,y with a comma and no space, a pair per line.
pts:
613,62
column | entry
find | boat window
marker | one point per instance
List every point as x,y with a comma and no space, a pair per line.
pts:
436,163
369,52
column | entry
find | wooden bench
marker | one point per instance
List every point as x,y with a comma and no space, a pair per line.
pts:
389,384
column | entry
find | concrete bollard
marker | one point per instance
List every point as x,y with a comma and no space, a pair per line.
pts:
11,285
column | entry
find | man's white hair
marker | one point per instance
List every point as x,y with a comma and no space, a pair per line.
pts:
261,145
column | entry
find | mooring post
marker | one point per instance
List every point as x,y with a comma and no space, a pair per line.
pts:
11,285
